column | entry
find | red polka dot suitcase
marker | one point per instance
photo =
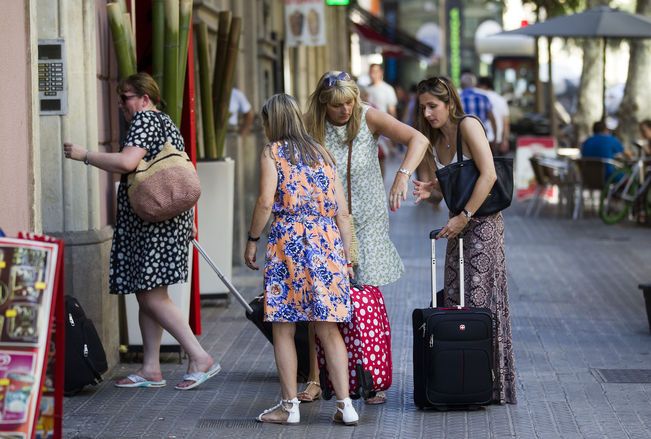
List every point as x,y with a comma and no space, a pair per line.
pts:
368,342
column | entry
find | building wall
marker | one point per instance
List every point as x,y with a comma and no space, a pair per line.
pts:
41,191
74,204
19,154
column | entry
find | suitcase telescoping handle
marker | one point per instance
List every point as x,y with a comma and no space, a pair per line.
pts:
462,299
227,282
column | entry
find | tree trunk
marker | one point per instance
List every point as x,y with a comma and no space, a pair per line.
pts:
590,105
637,93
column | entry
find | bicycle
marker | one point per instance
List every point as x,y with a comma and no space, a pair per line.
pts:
627,189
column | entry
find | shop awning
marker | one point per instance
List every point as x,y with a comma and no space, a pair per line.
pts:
394,40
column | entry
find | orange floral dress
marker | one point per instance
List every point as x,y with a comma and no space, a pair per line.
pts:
305,276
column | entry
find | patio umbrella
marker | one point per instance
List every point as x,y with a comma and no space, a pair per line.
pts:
599,22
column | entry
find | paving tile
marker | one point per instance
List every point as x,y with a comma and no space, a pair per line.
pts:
575,307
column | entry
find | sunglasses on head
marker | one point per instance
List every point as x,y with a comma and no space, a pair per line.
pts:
331,80
432,82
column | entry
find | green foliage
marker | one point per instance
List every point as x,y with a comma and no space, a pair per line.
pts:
554,8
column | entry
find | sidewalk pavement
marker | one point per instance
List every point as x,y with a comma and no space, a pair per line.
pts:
581,338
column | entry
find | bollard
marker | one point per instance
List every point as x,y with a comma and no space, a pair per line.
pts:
646,290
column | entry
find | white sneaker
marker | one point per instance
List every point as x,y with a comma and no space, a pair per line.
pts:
288,406
347,414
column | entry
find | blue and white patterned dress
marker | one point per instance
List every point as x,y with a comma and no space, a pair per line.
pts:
305,275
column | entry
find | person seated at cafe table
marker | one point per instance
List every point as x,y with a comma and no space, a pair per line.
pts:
602,144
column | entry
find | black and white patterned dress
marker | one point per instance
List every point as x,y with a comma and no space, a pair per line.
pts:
148,255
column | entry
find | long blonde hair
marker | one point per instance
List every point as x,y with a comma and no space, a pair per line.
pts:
282,121
342,91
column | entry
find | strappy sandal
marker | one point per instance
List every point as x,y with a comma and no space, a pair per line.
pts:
379,398
346,414
306,396
288,406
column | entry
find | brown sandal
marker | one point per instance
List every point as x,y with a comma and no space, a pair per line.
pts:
379,398
306,396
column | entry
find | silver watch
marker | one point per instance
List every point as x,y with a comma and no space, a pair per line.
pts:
467,213
405,171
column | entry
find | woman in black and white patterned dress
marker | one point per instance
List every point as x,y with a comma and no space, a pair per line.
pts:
147,257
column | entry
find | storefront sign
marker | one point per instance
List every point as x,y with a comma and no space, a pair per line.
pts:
29,281
455,26
304,23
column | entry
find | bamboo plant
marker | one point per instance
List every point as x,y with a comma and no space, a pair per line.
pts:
222,113
215,97
124,48
131,39
223,28
158,41
171,60
209,140
170,40
185,16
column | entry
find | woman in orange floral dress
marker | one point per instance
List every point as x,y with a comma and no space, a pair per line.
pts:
306,274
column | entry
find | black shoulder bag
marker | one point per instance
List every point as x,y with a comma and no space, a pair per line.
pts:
458,179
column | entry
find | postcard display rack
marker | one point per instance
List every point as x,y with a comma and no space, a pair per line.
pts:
32,353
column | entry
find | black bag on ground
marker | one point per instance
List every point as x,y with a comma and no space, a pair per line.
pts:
85,356
301,337
453,351
457,181
254,311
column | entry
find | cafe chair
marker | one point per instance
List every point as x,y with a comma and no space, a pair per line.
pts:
552,172
591,177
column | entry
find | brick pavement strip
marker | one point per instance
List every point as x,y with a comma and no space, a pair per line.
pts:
575,307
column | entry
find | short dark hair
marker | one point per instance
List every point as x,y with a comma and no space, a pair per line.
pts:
485,81
599,127
141,84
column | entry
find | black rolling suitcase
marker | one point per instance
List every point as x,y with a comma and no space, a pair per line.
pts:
255,313
453,350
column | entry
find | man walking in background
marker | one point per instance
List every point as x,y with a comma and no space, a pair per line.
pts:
475,102
499,139
383,97
239,105
380,94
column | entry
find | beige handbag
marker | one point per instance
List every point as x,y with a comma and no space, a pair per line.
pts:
165,186
354,243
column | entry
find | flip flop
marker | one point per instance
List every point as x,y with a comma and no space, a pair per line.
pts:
139,381
199,377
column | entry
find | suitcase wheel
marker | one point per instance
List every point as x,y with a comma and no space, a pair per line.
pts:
365,382
324,382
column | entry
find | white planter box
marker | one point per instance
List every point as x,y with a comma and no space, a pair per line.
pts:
215,209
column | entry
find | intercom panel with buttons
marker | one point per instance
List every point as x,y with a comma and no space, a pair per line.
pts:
52,83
